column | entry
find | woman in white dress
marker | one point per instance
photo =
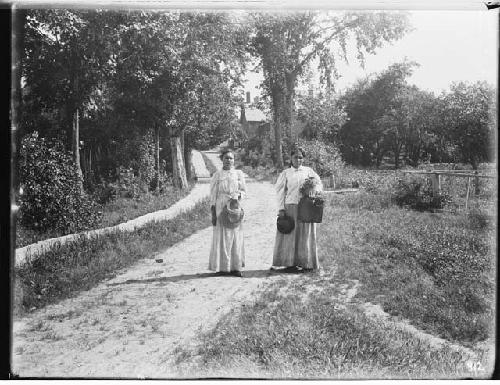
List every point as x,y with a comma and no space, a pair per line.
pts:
296,250
227,254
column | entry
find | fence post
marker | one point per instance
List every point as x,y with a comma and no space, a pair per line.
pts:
332,182
476,184
467,196
436,184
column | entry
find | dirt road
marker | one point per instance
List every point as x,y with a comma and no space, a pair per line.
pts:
131,325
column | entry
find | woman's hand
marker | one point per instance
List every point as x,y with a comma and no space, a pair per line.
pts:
281,213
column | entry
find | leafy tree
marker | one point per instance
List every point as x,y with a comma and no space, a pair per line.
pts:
147,83
395,105
322,116
288,44
66,58
210,115
215,57
422,114
377,116
469,120
51,197
125,74
471,123
325,158
172,58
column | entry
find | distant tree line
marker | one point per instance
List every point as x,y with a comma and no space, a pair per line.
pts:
384,118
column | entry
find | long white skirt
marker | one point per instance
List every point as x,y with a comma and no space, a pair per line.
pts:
299,247
228,249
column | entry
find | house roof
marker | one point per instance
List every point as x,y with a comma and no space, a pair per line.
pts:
255,115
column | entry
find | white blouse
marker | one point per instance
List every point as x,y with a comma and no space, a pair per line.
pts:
289,182
224,185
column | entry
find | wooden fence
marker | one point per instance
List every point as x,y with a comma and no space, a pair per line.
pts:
435,178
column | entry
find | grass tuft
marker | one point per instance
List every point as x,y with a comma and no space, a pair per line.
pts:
286,337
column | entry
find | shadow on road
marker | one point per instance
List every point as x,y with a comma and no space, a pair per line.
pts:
187,277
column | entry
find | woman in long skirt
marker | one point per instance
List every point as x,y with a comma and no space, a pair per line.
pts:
227,253
296,250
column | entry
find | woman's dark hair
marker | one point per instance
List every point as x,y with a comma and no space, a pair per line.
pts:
296,150
224,151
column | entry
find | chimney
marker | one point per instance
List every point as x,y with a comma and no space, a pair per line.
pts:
243,118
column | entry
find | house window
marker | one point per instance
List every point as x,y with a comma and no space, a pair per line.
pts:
248,97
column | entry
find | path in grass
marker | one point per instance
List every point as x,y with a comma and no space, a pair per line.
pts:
131,325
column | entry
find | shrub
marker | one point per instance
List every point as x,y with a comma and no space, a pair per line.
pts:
128,185
51,198
416,193
324,158
104,193
479,219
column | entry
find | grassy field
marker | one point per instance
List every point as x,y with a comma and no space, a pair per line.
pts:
114,212
436,271
67,269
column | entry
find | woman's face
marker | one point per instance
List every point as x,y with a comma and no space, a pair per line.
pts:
297,159
228,160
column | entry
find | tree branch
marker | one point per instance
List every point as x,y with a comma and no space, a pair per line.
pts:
320,45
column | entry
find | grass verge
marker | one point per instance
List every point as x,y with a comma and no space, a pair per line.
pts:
436,270
67,269
113,213
287,336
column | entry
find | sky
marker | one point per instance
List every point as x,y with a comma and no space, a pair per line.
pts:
450,46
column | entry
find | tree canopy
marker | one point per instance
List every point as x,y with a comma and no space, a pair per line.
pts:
287,44
125,74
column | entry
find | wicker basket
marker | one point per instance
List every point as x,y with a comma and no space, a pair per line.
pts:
310,210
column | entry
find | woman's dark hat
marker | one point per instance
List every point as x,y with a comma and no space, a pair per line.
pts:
285,224
231,217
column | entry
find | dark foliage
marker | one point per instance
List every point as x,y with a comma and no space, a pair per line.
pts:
51,197
417,194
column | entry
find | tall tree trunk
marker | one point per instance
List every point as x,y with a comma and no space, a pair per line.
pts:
186,153
188,159
178,169
277,129
76,149
157,158
288,107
